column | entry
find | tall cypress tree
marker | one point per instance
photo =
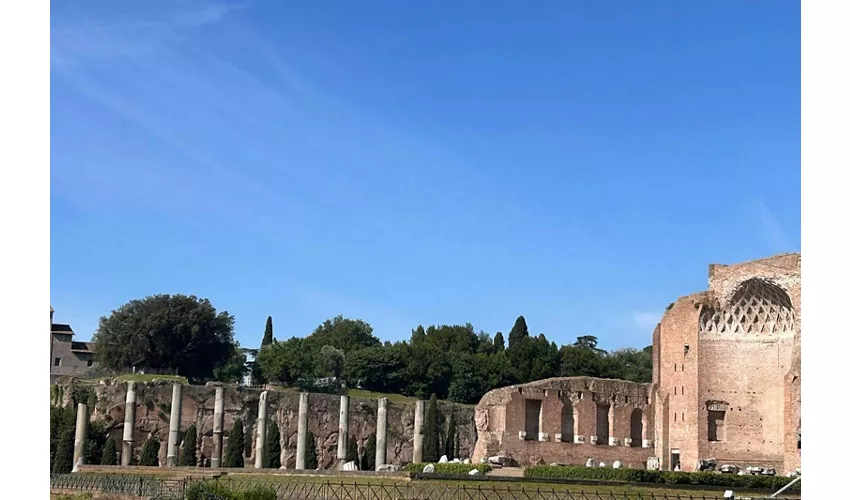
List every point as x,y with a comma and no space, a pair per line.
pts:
369,452
110,453
272,447
310,460
189,453
451,433
149,455
63,461
499,342
518,332
235,454
431,437
352,452
268,337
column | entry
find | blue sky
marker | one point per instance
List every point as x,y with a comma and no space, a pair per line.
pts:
580,163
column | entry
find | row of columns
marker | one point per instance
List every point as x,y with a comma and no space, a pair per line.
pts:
173,449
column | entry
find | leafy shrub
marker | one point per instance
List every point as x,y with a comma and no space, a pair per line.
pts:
259,493
454,469
657,477
212,489
204,490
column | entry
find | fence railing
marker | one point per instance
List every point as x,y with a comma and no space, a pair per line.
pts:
353,490
146,487
108,484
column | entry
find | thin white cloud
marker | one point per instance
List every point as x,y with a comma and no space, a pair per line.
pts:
646,321
771,227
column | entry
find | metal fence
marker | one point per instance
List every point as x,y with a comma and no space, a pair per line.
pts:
109,484
156,489
352,490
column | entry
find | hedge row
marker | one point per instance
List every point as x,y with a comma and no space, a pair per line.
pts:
452,469
206,490
658,477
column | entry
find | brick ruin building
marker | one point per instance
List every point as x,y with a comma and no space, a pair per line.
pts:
725,386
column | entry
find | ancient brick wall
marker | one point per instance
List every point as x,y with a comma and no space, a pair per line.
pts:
728,368
566,420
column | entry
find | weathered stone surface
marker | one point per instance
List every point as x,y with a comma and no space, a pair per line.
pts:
153,408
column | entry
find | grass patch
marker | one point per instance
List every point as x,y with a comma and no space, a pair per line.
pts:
394,398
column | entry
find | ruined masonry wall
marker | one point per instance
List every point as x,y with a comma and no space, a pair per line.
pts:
153,401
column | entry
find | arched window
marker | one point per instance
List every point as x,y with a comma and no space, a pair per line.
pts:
757,307
636,428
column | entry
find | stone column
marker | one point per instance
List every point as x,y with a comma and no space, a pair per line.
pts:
218,421
80,435
129,424
301,449
342,440
173,451
381,438
418,417
260,444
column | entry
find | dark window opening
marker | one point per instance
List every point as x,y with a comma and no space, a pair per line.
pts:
716,426
532,418
602,424
57,361
89,363
636,428
567,422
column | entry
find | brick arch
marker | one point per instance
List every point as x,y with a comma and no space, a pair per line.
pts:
757,307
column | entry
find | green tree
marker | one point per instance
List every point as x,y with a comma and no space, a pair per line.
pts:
110,453
348,335
235,453
451,435
376,368
189,453
268,336
167,333
272,446
332,361
468,377
96,436
499,342
61,418
285,362
149,456
518,332
353,455
431,432
64,459
310,460
234,369
370,452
